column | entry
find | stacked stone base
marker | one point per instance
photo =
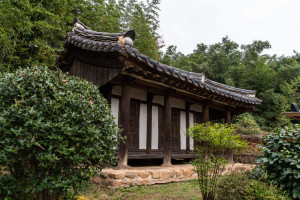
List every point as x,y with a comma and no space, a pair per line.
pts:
153,175
246,158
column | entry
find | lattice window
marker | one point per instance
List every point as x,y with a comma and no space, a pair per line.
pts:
133,135
175,129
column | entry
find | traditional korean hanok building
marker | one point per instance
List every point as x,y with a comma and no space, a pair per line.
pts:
153,103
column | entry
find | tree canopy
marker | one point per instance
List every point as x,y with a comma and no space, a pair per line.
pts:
32,32
275,78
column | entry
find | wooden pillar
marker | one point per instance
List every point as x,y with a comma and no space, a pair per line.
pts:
149,122
205,113
124,122
167,131
228,121
187,116
227,117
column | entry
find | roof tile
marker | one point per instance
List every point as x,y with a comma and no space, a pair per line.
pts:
88,39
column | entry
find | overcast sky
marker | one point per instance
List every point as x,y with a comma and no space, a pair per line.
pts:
185,23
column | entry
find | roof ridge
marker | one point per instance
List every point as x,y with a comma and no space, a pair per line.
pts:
82,29
206,80
85,38
241,90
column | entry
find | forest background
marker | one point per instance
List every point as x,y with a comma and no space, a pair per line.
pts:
32,33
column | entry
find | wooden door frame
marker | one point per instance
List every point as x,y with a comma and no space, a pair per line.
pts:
178,128
138,125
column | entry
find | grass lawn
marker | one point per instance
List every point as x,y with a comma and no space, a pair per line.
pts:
181,190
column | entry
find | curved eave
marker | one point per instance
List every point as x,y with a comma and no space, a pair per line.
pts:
89,40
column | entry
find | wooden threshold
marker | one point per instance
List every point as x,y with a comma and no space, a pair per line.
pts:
159,156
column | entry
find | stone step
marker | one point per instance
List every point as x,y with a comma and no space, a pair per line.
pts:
149,175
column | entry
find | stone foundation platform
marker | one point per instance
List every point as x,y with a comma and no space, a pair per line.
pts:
155,174
246,158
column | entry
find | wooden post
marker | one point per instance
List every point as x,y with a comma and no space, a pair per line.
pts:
227,117
187,114
149,122
205,113
124,122
228,121
167,131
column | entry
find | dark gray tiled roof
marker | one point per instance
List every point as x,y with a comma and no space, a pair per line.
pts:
85,38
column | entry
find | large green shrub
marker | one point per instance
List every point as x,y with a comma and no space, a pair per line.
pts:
242,187
245,124
55,132
281,158
214,141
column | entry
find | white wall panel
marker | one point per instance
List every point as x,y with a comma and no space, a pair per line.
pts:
158,99
115,109
143,126
154,141
116,90
177,103
182,130
138,94
196,107
191,118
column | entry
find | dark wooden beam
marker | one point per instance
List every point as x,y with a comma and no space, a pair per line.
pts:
99,75
205,113
124,122
130,81
192,98
149,122
159,155
198,96
99,59
167,131
227,118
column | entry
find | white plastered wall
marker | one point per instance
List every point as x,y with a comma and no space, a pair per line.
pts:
134,93
154,139
115,109
177,103
158,99
191,120
143,126
116,90
182,130
142,95
138,94
196,107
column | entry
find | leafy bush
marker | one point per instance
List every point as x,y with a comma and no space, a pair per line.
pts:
259,172
246,125
259,190
56,132
242,187
214,141
216,137
233,187
281,158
